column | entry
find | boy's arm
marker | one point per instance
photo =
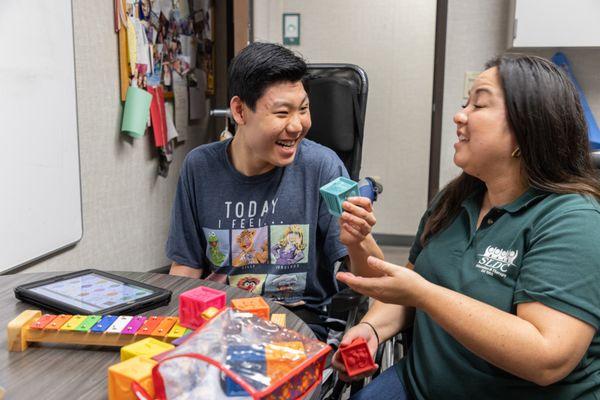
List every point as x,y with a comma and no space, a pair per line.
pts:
183,270
358,254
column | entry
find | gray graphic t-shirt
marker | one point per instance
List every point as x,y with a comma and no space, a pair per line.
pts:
269,234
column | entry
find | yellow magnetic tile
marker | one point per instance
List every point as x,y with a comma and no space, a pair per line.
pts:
148,347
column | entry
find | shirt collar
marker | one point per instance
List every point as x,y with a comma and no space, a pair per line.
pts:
531,196
473,202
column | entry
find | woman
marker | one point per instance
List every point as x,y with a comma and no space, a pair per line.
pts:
503,280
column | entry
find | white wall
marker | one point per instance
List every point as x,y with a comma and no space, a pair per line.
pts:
393,41
126,207
477,31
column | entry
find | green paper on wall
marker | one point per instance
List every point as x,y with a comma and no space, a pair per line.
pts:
136,111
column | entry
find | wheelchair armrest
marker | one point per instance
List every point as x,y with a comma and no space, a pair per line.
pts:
346,300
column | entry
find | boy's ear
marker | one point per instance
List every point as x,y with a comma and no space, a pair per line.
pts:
238,110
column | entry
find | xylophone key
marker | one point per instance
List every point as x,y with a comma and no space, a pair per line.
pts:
150,325
42,321
73,323
119,324
87,324
57,322
104,323
134,325
176,332
164,327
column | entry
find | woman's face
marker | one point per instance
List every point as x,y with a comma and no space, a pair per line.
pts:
485,141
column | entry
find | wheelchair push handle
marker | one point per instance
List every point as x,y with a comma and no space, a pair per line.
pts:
370,188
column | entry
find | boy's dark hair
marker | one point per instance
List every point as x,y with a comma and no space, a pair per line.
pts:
260,65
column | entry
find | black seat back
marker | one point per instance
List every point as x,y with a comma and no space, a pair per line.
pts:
338,104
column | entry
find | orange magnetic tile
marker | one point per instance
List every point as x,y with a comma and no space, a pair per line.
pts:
165,326
255,305
278,369
57,322
149,326
42,321
285,351
282,357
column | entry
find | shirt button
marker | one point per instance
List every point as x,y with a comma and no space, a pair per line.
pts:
490,221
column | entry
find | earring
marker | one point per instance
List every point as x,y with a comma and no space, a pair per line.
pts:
516,153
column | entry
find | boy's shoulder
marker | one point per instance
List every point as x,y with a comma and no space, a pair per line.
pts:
206,153
313,153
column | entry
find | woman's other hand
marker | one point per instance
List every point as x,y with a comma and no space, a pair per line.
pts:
357,220
358,331
396,285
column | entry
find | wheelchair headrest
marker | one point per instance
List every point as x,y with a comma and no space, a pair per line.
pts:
332,110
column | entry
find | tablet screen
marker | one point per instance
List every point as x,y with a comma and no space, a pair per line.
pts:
92,292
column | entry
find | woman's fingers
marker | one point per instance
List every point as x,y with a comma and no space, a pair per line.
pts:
344,376
366,286
383,266
336,361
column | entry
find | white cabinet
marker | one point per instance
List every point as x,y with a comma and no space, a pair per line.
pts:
554,23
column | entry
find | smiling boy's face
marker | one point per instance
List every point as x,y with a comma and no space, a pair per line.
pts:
277,126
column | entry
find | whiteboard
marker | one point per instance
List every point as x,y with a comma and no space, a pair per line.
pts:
40,201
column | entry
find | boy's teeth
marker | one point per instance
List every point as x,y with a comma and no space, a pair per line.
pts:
286,143
462,138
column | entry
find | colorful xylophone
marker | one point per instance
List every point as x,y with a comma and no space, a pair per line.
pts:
108,330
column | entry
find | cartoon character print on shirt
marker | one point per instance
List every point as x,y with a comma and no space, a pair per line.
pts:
286,287
249,246
217,246
289,244
252,283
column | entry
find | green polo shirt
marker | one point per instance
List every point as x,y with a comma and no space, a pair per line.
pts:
542,247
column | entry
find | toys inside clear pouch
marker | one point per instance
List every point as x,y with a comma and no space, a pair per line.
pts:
239,355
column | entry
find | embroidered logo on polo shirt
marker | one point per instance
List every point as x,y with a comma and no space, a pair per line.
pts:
496,261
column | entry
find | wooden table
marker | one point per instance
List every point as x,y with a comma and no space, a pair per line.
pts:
51,371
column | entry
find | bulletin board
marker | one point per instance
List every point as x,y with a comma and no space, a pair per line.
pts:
40,205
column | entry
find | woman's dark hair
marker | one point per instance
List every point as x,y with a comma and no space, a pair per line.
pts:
260,65
544,112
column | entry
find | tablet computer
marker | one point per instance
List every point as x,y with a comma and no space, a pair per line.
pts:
92,291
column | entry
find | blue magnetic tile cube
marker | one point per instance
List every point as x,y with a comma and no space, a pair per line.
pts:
336,192
232,389
247,362
237,353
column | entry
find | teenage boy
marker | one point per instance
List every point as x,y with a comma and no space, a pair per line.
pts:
247,210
